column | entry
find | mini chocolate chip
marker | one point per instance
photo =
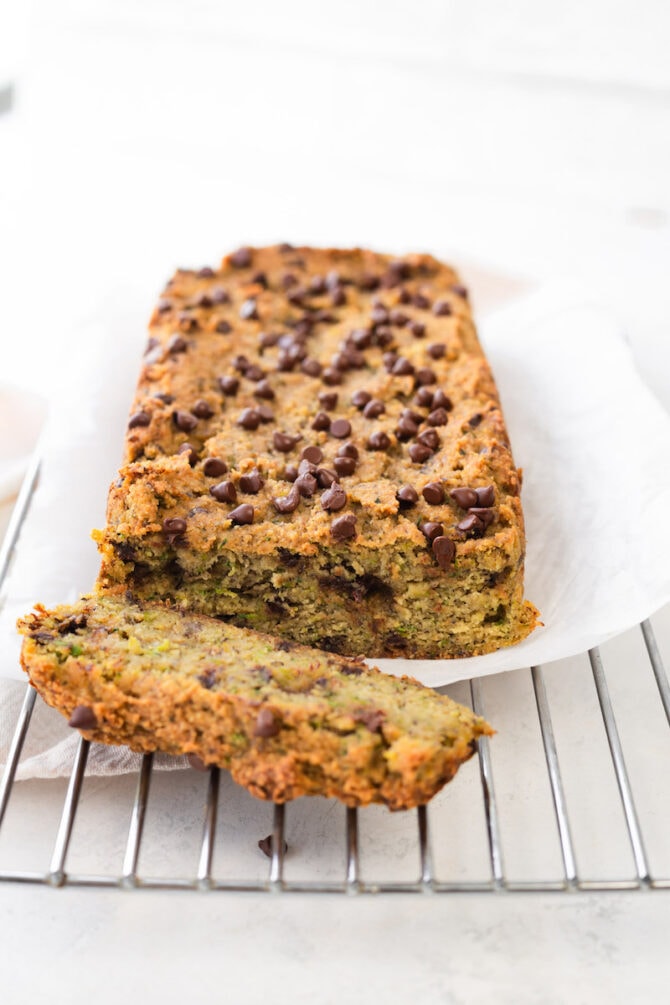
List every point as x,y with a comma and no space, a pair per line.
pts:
268,339
206,272
288,503
229,385
431,530
283,442
241,363
140,418
368,281
202,300
420,301
404,296
325,477
243,514
469,523
72,624
254,372
312,454
389,360
83,717
338,297
328,400
429,438
340,429
442,400
442,308
402,367
459,290
485,496
251,483
378,441
425,376
174,528
406,428
321,421
415,417
202,409
290,472
241,258
418,453
486,515
331,376
438,417
398,318
264,390
444,550
184,421
374,409
334,498
317,285
436,350
359,399
383,336
418,329
289,279
214,467
379,315
162,307
306,467
219,295
267,724
306,484
224,492
260,279
187,322
265,413
348,450
249,310
344,466
190,451
465,498
407,496
344,527
433,493
249,419
223,328
311,367
177,344
361,338
424,397
475,420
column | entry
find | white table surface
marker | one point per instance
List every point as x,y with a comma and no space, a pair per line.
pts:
529,138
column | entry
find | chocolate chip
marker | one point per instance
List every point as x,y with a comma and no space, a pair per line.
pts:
249,310
249,418
229,385
374,409
406,428
219,295
379,315
442,400
331,376
83,717
224,492
72,624
338,297
328,400
348,450
251,483
190,451
404,296
418,453
167,399
344,466
389,359
311,367
223,328
402,367
202,300
334,498
398,318
265,413
429,438
424,397
184,421
475,419
486,515
485,495
173,529
465,498
407,496
433,493
290,473
418,329
260,279
140,418
438,417
254,372
361,338
312,454
243,514
187,322
288,280
442,308
344,527
265,845
241,258
306,484
420,301
264,390
321,421
368,281
283,442
431,529
378,441
425,376
268,723
177,344
268,339
162,307
206,272
340,429
470,523
306,467
444,550
359,399
214,467
436,350
202,409
325,477
460,291
287,503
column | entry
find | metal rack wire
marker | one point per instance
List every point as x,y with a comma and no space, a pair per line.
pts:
56,873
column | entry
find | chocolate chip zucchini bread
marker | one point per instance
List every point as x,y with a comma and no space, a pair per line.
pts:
316,449
285,720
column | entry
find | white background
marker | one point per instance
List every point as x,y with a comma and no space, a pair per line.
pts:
531,139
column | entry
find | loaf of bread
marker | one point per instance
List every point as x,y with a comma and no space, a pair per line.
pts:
285,720
316,449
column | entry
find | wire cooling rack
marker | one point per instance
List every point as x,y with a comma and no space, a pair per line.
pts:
553,802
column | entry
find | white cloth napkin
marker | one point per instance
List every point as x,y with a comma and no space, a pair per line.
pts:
593,442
